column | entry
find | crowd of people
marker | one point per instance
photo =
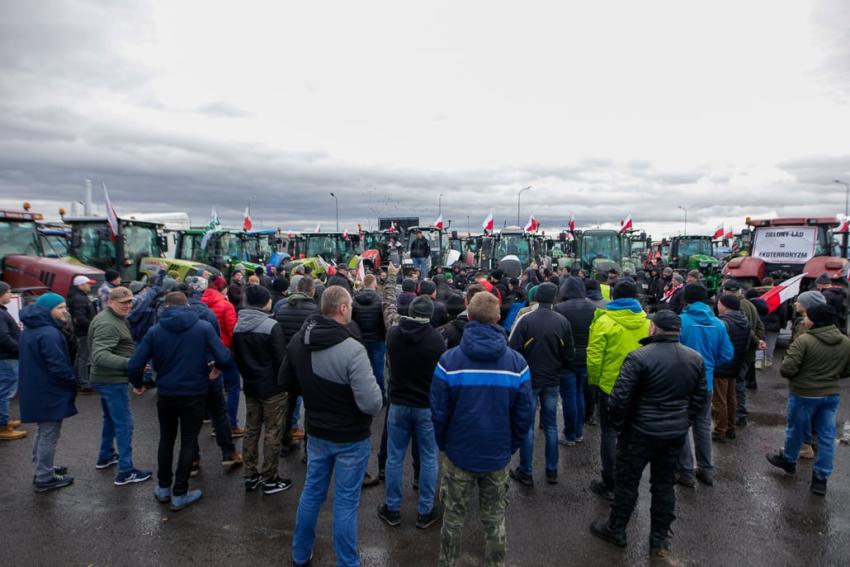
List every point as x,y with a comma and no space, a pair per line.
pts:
459,365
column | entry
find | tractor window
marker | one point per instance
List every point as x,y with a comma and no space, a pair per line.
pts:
694,247
606,246
96,246
18,238
516,245
140,242
54,245
232,247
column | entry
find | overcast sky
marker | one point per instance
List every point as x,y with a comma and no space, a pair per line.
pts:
606,109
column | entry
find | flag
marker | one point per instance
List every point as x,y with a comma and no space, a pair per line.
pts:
361,271
779,294
345,234
627,224
843,225
729,234
246,220
111,217
392,228
532,225
572,223
488,222
211,228
718,232
318,228
438,224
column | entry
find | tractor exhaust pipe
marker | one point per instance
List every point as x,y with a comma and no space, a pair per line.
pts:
87,202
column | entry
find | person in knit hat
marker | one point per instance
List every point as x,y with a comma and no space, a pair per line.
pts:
111,280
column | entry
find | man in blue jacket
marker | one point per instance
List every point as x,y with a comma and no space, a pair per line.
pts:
707,335
482,408
180,346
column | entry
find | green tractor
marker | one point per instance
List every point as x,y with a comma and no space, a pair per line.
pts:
696,253
224,249
324,249
599,250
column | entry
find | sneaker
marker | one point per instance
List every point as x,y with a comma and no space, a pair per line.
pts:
807,452
562,440
132,476
718,437
705,477
57,482
14,424
778,460
818,485
297,434
195,470
659,544
206,422
591,420
238,432
234,461
686,480
105,464
424,521
521,477
184,500
731,435
252,482
8,433
580,439
61,471
603,530
598,487
369,481
162,494
552,477
276,485
388,516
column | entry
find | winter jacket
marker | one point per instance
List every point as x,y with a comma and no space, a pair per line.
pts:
367,312
739,335
614,333
419,248
234,294
110,347
707,335
413,349
82,311
815,362
292,312
441,314
328,365
756,326
205,313
47,386
341,281
258,349
452,331
481,402
660,390
10,335
224,312
545,340
143,314
579,312
405,298
180,346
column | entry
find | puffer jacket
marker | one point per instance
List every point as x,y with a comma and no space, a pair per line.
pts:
739,334
292,312
367,312
660,390
545,340
615,332
82,311
579,312
707,335
224,312
258,349
816,361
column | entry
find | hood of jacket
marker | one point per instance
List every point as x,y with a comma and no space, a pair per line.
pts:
249,319
211,297
413,329
700,313
321,333
35,316
573,288
483,341
624,315
626,303
299,297
827,335
178,319
367,297
736,318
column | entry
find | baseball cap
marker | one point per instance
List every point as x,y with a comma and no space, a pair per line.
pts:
80,280
120,294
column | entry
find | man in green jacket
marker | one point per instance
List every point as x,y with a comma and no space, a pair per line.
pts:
813,365
111,346
615,332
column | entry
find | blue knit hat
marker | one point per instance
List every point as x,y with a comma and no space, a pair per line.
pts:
50,300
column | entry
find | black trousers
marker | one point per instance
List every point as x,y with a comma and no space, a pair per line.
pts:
217,410
634,452
187,413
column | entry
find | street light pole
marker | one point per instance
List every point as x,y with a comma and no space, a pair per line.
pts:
844,236
440,206
336,200
686,219
518,198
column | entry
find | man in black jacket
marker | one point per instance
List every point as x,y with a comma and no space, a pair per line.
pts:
82,311
369,317
545,339
440,317
10,334
724,397
420,253
258,350
452,331
341,278
660,389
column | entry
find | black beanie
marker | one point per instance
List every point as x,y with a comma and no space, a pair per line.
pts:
422,307
822,315
280,284
408,285
625,288
667,320
427,287
546,293
731,301
257,296
694,293
110,275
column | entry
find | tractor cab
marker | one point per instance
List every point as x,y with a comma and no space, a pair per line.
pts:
437,242
336,247
54,239
696,253
378,250
599,250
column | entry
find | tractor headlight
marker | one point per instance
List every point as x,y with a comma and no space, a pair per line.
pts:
703,264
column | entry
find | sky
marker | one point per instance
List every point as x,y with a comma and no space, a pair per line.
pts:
606,109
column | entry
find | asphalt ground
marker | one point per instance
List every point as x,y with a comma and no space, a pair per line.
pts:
753,515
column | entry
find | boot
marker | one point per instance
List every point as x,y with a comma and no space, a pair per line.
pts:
659,543
778,460
7,433
15,423
605,529
818,485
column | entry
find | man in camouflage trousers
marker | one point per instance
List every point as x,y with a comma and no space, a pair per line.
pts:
482,372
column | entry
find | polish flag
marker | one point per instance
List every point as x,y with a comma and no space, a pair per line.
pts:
627,224
111,216
345,234
843,226
246,220
532,225
488,222
438,224
392,228
785,291
718,232
730,234
572,223
318,228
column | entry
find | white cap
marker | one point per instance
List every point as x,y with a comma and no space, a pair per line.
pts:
80,280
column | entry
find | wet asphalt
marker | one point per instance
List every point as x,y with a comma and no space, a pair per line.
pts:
753,515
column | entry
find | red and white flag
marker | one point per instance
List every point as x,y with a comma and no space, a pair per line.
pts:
488,222
572,223
843,225
345,234
246,220
779,294
318,228
627,224
111,216
532,225
729,234
392,228
718,232
438,224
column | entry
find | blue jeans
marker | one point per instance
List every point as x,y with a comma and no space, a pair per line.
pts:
548,396
347,463
296,413
572,400
117,424
8,387
377,351
404,421
421,264
232,388
817,413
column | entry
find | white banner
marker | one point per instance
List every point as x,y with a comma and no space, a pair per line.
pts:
14,309
785,244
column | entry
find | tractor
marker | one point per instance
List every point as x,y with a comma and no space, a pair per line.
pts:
512,250
599,250
438,243
695,253
324,250
223,250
